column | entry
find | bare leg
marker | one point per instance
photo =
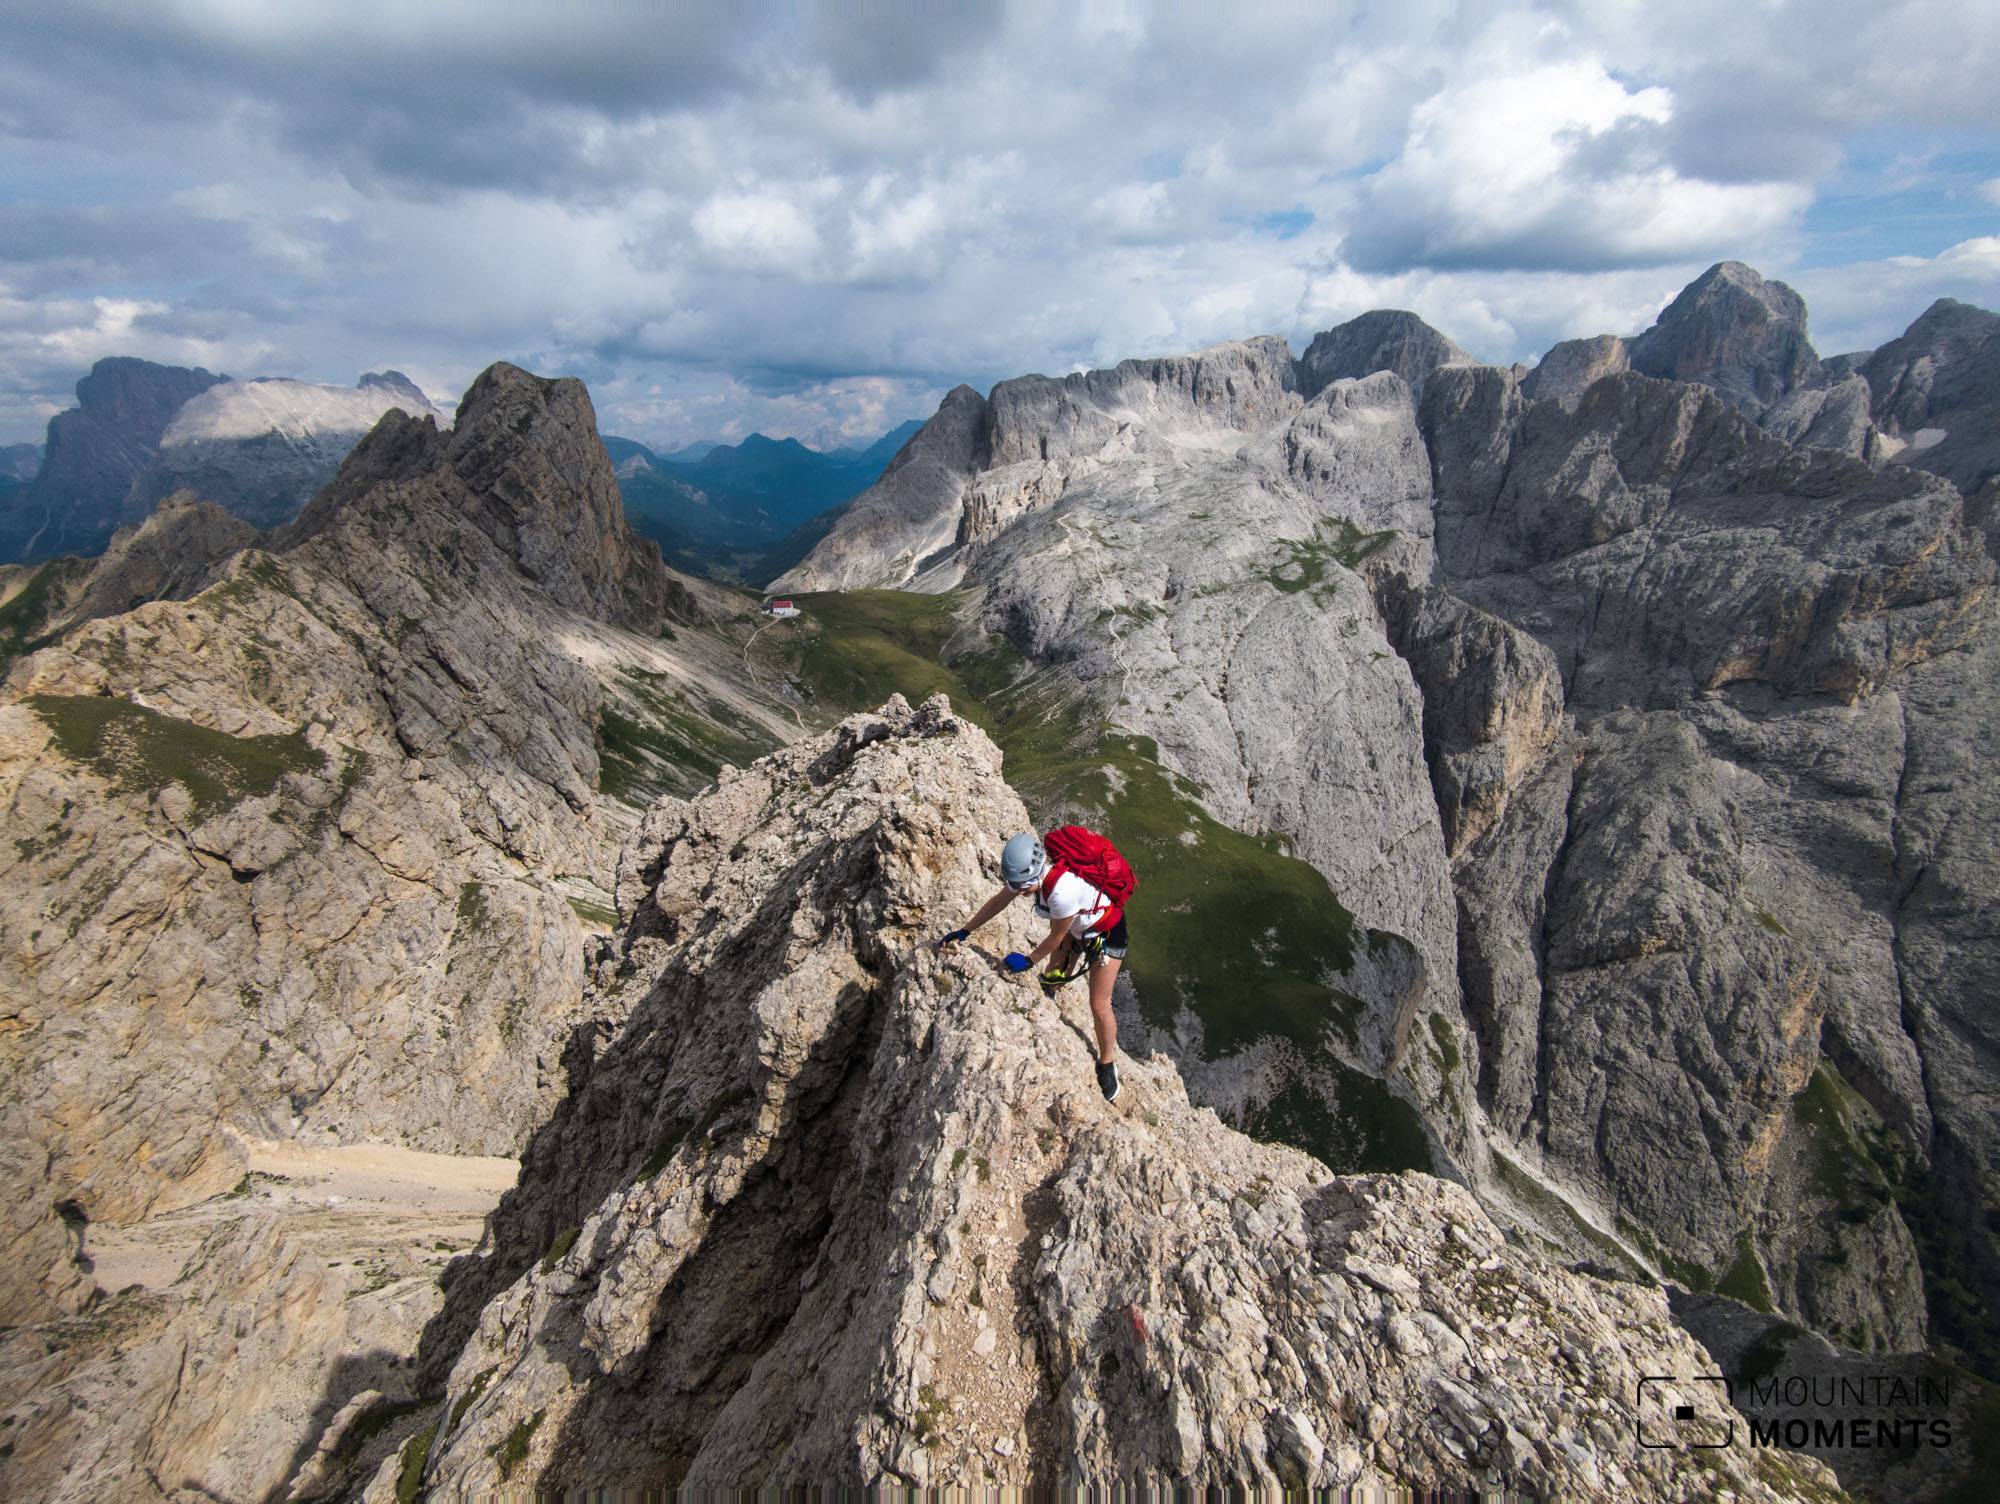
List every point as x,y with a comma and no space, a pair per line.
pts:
1102,975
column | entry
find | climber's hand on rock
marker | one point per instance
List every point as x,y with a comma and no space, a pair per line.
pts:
954,937
1018,962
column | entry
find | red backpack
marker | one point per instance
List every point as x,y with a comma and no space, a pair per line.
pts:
1071,848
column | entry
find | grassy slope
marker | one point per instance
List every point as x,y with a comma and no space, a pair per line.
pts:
1227,925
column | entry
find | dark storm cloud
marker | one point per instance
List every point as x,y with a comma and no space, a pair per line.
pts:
874,48
48,249
463,96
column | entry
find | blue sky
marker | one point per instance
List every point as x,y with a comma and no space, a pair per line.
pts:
814,220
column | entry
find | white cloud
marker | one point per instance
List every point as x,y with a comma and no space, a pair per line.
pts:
757,232
1555,165
1866,304
783,222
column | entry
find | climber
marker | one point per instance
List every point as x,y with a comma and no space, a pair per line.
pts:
1082,894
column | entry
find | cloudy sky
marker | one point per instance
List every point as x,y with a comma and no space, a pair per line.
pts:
814,220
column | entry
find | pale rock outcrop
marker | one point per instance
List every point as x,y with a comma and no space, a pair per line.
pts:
1834,416
1662,545
88,484
215,1388
1571,368
910,514
1032,436
262,448
1493,702
1606,543
1936,392
1210,600
1729,850
828,1208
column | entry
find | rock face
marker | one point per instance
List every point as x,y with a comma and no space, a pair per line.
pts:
1809,572
295,854
1639,733
826,1207
910,513
1732,621
261,448
1026,441
143,432
211,1389
1571,368
1904,1423
1380,341
1937,390
1735,332
96,454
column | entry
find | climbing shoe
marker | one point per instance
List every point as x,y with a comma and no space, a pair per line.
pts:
1107,1080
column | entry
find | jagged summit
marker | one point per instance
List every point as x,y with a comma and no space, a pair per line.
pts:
1385,340
1732,330
1936,392
142,432
523,462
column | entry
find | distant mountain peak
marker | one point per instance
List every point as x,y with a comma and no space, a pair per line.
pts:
1732,330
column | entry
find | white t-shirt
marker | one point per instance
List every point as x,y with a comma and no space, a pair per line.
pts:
1072,895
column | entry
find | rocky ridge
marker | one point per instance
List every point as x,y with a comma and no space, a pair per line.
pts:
313,850
1660,685
825,1207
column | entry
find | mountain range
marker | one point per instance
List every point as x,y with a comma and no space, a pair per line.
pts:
142,432
1563,960
747,510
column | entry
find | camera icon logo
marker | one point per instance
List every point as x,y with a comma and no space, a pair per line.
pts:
1683,1415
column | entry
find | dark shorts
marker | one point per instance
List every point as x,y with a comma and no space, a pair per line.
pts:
1109,946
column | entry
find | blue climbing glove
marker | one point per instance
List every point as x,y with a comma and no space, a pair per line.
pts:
1018,962
954,937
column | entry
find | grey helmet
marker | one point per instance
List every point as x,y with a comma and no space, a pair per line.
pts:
1023,861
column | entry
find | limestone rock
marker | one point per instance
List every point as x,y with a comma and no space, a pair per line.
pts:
1801,569
912,516
206,1390
1834,416
1936,392
295,854
813,1164
1571,368
910,513
523,463
262,448
1795,1383
1732,331
1384,340
1493,702
1209,599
